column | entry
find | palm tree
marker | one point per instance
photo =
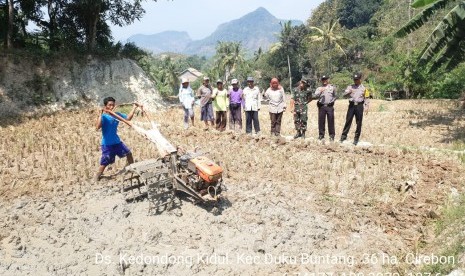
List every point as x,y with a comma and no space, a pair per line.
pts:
286,42
258,54
170,76
329,38
166,78
445,45
228,57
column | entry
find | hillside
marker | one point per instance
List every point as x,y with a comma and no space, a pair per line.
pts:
256,29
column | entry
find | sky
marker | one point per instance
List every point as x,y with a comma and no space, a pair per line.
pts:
200,18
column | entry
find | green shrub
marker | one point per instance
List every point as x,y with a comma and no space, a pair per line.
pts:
130,50
451,85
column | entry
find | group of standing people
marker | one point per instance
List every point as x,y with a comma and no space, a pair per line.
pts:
325,95
219,99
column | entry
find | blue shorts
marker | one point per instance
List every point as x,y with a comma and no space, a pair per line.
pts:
110,151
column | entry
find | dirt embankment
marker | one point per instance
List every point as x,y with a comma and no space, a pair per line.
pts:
30,83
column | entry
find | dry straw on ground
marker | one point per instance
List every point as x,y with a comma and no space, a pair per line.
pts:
384,193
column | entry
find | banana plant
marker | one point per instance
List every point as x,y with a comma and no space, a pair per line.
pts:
445,45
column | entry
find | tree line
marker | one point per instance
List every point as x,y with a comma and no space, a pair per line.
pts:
65,23
385,40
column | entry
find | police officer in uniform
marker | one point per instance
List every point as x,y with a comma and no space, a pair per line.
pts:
358,101
300,98
326,95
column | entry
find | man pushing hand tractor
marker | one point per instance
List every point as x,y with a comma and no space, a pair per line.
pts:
112,146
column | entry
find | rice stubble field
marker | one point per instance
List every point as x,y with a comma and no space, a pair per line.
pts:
293,206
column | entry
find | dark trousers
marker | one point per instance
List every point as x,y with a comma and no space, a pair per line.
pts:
251,116
357,111
235,116
323,112
220,120
275,119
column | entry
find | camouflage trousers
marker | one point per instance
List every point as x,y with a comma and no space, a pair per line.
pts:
300,121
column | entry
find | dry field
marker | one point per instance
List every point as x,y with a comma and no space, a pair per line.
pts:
292,205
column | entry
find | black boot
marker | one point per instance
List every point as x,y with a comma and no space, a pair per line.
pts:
297,135
303,134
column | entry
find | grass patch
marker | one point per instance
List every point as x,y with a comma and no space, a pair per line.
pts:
458,145
329,198
382,108
461,158
450,227
449,266
452,214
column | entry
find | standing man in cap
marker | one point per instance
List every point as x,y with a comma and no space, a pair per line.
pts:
220,105
252,103
299,106
235,105
187,99
358,101
326,95
277,105
205,92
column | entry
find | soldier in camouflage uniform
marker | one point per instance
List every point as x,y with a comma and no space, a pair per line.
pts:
301,96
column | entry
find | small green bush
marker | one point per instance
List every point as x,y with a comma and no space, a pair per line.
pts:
451,85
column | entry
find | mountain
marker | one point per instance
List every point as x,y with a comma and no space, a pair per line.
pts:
169,41
256,29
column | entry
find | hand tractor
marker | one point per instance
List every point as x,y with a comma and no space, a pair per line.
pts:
176,170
